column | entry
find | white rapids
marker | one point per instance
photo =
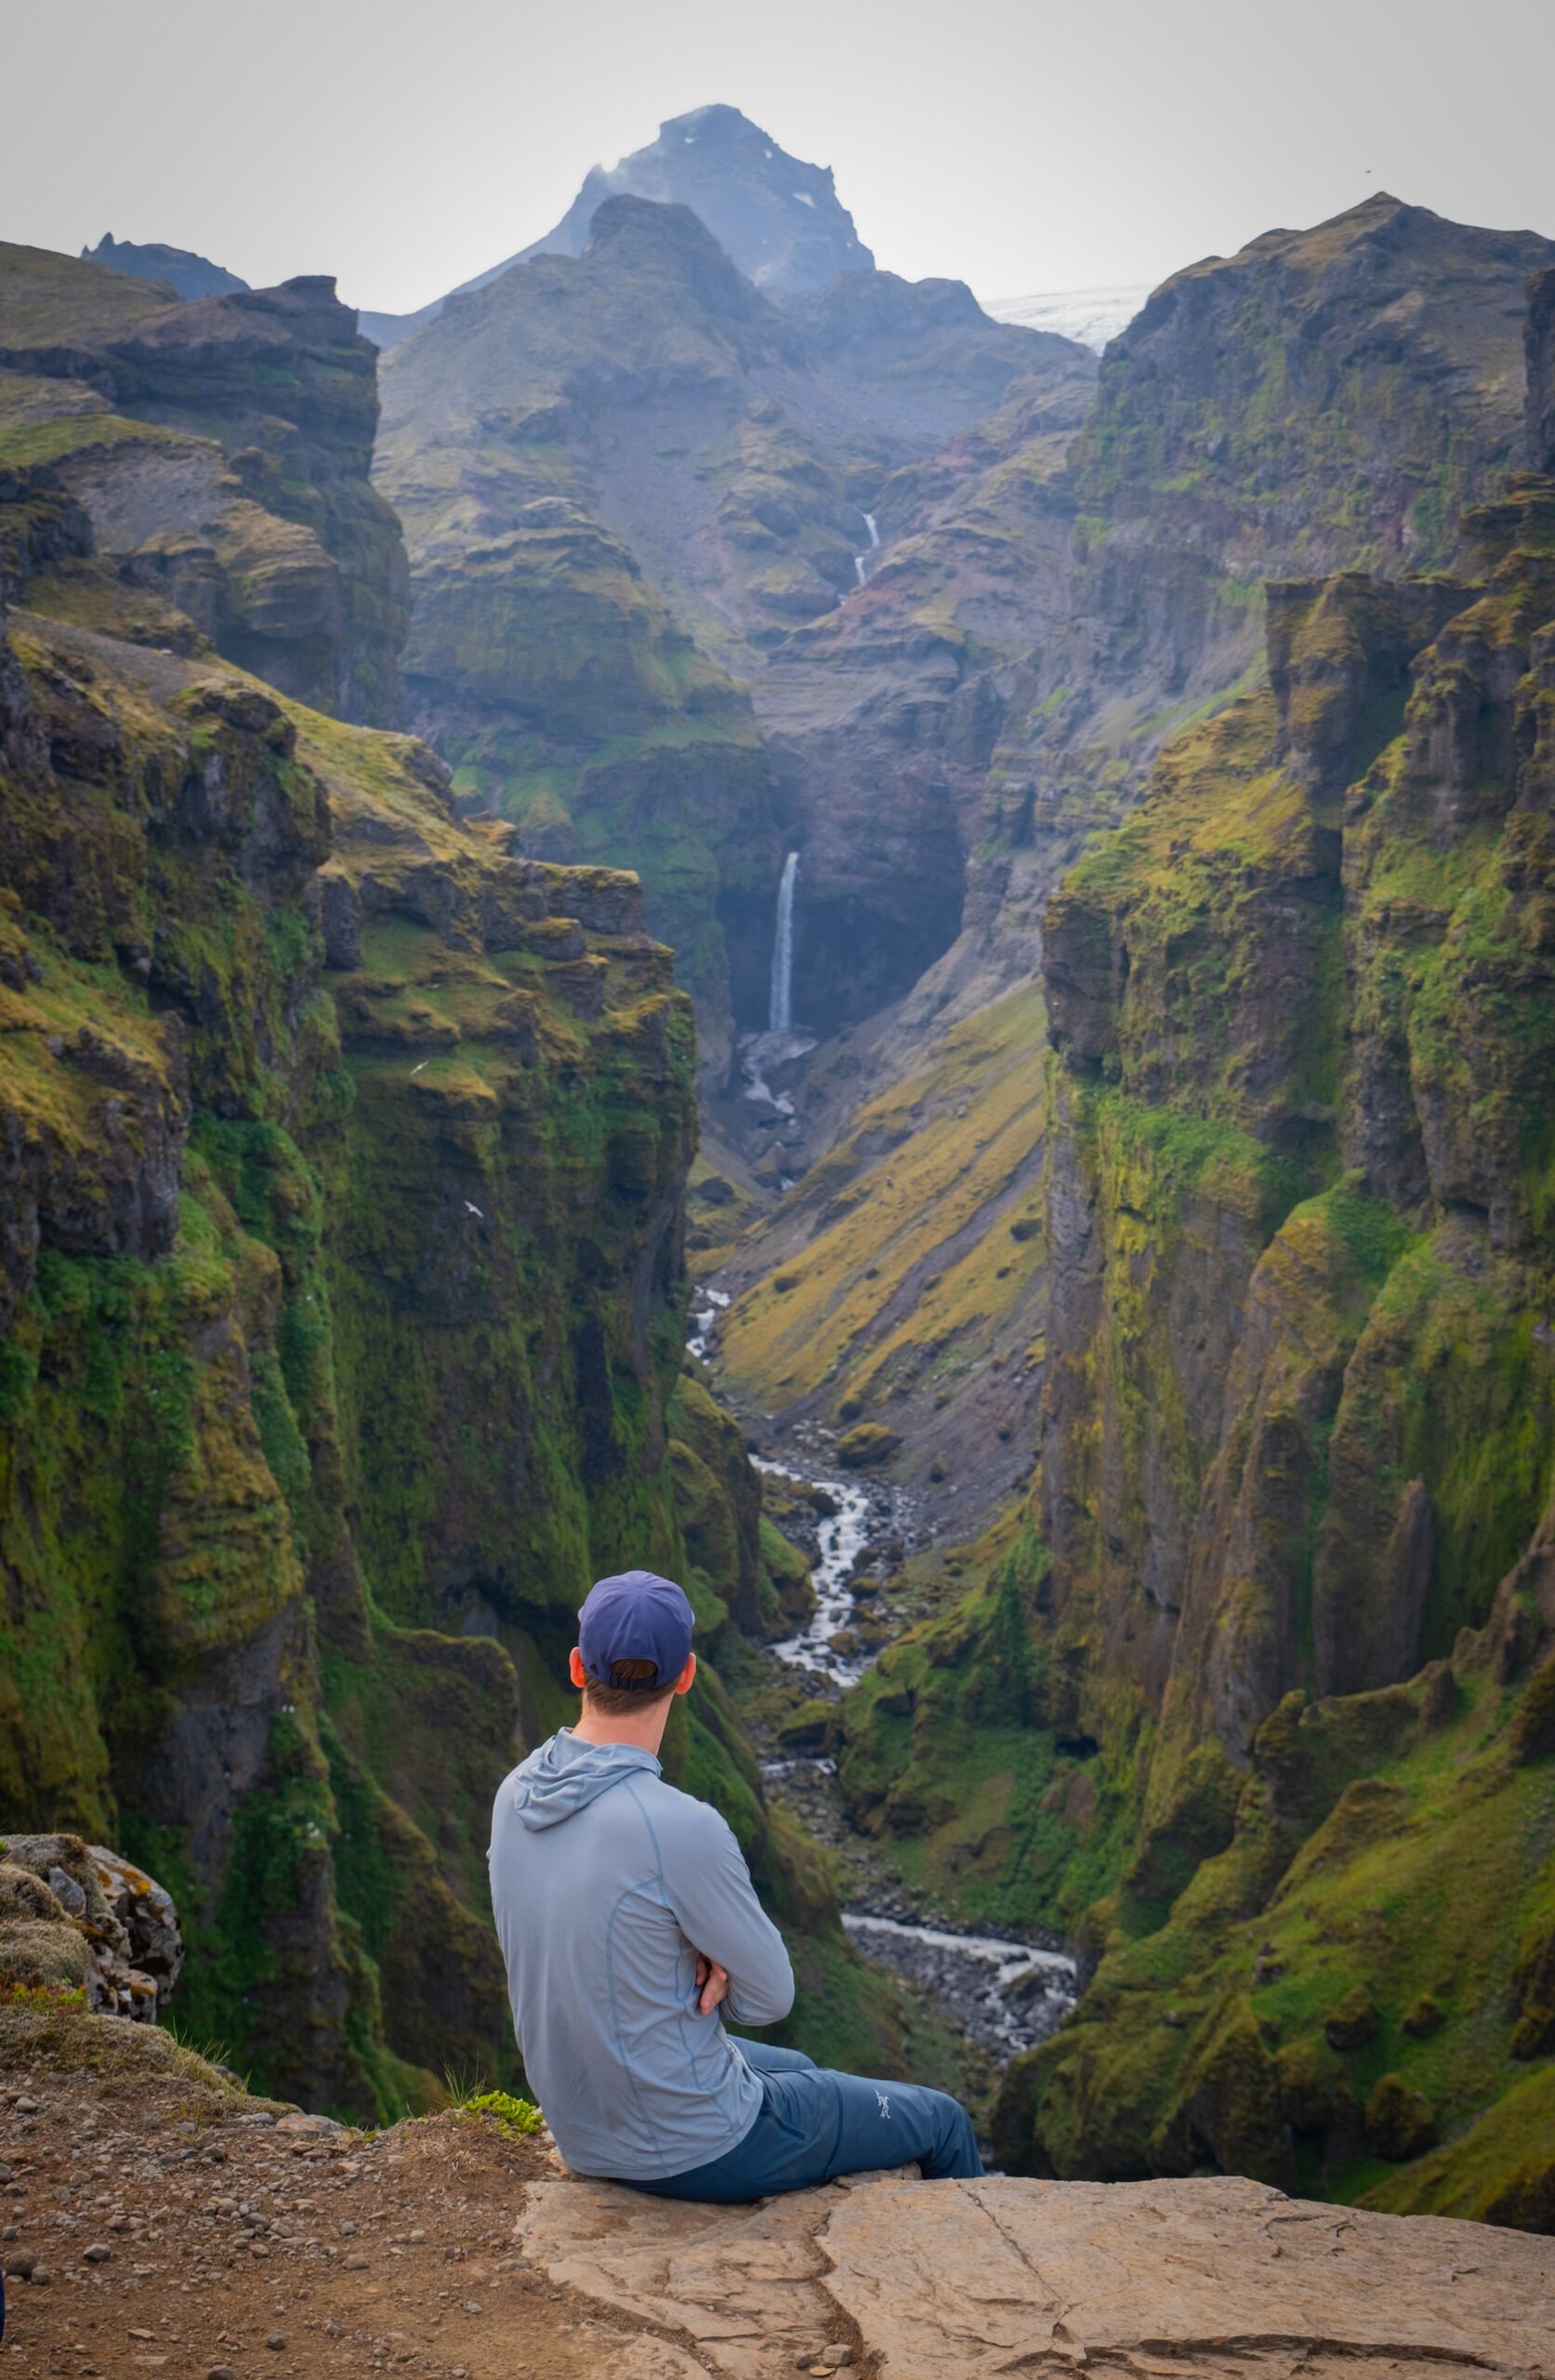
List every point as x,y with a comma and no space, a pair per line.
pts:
1007,1995
842,1536
707,1307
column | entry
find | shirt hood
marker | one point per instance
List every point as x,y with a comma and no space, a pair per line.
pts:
565,1774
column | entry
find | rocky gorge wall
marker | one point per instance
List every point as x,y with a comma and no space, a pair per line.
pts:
1263,1690
342,1156
1323,400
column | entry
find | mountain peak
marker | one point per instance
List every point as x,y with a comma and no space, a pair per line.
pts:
778,217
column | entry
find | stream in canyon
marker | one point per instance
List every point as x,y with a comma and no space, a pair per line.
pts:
1005,1993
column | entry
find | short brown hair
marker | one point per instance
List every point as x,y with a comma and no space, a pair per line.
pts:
628,1691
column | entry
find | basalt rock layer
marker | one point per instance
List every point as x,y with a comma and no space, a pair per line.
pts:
218,451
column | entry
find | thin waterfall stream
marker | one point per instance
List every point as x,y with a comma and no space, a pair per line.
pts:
861,561
779,1010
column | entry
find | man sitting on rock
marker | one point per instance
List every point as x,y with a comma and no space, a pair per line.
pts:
628,1921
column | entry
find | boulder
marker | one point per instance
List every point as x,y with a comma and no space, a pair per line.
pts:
80,1915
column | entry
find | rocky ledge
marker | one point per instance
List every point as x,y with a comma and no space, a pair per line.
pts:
155,2215
938,2281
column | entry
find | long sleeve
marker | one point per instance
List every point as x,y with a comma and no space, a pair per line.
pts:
710,1891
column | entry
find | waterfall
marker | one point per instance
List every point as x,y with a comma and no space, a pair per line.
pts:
779,1015
861,561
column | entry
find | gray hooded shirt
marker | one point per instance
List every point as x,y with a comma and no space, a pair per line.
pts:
606,1883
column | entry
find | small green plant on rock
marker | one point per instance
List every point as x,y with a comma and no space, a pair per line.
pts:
40,1995
515,2119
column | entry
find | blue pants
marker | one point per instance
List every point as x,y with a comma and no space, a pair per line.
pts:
815,2124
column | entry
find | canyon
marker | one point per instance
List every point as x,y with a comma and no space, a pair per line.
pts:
1029,876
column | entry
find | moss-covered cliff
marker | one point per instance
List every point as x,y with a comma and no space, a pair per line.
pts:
1054,607
342,1155
1262,1693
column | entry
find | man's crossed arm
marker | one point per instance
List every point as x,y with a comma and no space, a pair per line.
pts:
741,1960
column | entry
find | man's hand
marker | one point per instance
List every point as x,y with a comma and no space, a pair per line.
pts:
712,1982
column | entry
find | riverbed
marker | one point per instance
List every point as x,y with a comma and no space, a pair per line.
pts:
1006,1993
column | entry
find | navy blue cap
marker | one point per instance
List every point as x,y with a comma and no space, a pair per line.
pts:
635,1617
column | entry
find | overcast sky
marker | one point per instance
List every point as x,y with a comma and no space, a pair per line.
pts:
1021,146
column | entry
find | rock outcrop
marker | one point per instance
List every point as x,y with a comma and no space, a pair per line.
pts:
75,1915
219,451
934,2281
179,270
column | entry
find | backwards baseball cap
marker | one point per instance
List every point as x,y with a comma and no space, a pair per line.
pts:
635,1617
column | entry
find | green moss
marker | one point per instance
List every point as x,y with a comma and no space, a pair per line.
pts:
515,2119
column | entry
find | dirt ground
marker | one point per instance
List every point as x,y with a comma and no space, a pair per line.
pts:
188,2243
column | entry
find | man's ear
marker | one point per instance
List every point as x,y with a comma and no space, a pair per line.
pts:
683,1683
575,1670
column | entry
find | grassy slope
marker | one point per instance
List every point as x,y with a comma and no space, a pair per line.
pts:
46,300
904,1274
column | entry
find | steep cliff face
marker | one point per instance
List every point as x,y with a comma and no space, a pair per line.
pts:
1324,399
342,1153
205,1122
220,451
1296,1430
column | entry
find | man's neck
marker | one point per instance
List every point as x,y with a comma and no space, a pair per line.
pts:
644,1735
